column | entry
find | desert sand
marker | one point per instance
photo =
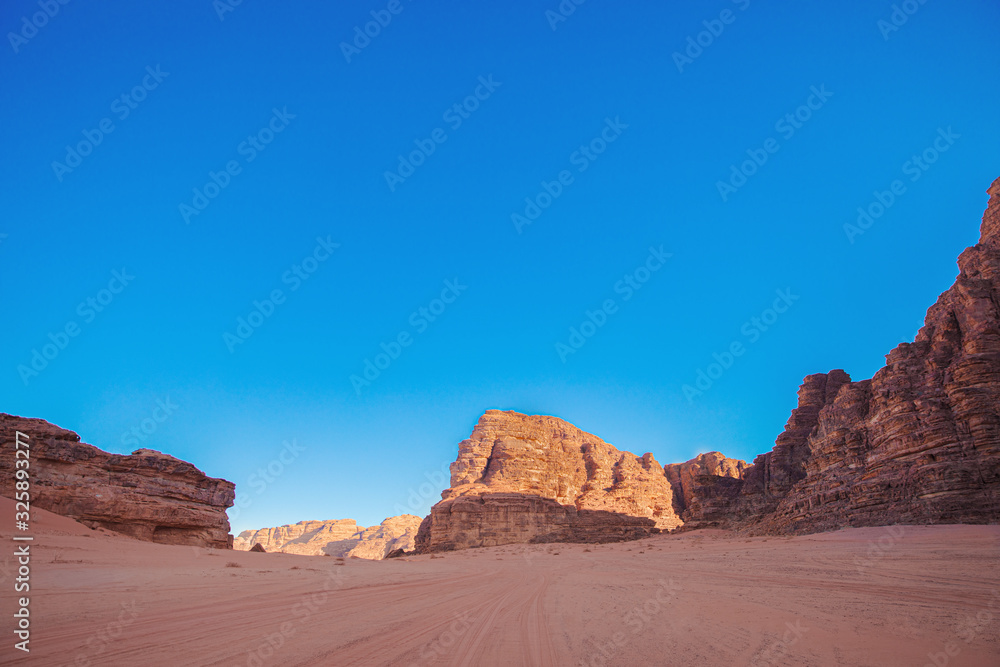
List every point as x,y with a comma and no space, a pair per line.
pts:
699,598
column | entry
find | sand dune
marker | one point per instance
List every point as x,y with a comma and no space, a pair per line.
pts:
701,598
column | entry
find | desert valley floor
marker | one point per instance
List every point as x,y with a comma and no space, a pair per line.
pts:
699,598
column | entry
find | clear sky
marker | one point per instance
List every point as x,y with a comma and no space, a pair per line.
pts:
242,134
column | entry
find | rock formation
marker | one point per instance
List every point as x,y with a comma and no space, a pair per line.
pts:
704,486
343,537
148,495
393,534
918,443
492,519
256,548
309,538
522,478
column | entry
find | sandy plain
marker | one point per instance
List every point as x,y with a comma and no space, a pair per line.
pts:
902,595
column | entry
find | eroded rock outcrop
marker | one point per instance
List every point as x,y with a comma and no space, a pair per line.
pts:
493,519
309,538
148,495
377,542
343,537
920,441
705,486
529,478
917,443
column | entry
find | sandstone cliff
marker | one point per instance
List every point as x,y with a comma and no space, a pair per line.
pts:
343,537
147,495
918,443
305,537
705,486
522,478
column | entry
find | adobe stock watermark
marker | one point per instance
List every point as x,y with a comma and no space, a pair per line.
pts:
787,126
877,550
223,7
420,320
752,330
363,35
265,475
88,309
636,619
899,16
776,652
696,44
122,106
915,167
38,20
445,642
249,148
437,481
294,277
969,628
581,158
562,12
149,425
98,643
629,284
454,115
309,603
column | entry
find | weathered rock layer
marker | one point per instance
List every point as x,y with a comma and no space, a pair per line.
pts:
148,495
918,443
705,486
343,537
522,478
493,519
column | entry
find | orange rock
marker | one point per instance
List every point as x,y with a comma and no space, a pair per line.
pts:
918,443
341,537
522,478
148,495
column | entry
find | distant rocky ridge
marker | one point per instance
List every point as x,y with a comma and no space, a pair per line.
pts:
341,537
918,443
148,495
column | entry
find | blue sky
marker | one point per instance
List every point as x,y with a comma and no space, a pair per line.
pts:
620,143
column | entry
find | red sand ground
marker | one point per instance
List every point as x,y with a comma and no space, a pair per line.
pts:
701,598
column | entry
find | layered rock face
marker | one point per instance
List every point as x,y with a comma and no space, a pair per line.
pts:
705,486
493,519
305,537
148,495
395,533
772,475
522,478
343,537
918,443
